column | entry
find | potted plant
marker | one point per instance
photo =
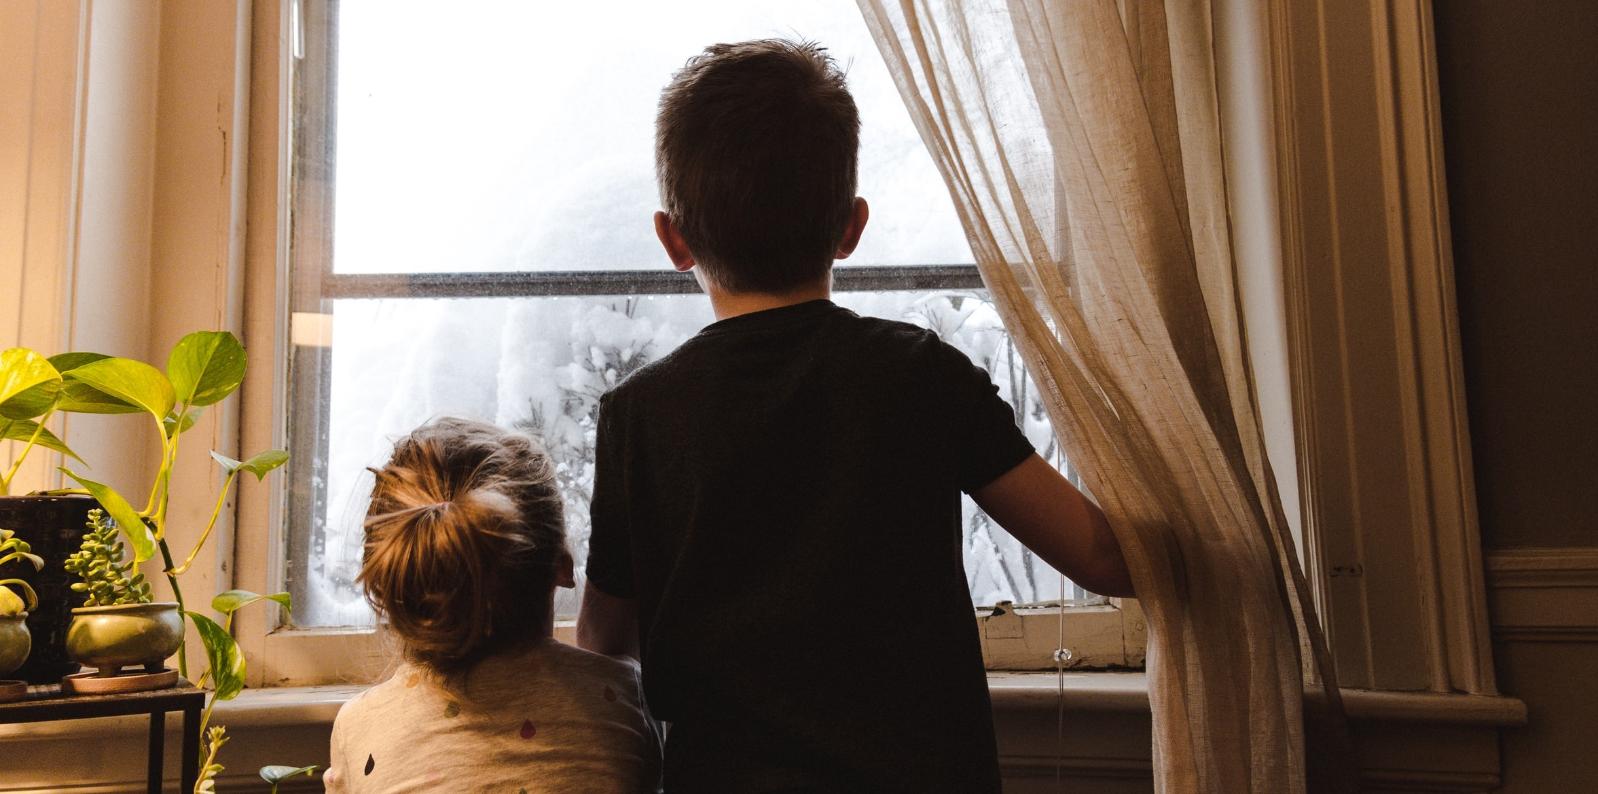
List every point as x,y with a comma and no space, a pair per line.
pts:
15,639
203,369
32,390
119,624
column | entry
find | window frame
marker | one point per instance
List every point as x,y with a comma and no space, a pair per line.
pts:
1104,633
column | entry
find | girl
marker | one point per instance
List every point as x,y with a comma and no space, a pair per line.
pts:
465,543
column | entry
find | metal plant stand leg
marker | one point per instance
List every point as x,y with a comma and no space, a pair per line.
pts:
157,754
191,747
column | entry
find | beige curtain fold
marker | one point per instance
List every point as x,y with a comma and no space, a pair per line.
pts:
1081,143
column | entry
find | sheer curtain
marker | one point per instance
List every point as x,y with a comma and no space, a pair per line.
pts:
1081,144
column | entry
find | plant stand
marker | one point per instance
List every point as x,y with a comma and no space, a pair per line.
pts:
46,703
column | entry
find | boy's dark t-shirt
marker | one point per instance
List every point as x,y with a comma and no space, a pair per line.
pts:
781,495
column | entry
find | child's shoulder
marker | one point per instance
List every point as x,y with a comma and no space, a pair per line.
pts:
552,659
597,664
554,674
377,697
893,353
882,331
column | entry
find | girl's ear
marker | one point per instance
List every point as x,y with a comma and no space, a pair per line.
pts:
565,573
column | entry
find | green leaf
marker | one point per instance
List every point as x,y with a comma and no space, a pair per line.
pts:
132,382
27,383
226,660
258,464
137,532
22,430
33,402
233,600
81,398
277,773
205,367
65,362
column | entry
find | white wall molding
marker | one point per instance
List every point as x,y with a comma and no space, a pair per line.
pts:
1544,594
1539,568
108,295
1382,436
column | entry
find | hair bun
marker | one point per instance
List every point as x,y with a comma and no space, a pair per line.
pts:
462,538
486,503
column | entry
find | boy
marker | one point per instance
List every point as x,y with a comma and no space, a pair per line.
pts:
776,516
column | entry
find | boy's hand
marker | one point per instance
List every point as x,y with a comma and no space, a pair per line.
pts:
1051,517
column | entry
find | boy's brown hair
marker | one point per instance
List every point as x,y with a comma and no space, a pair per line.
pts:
756,145
464,537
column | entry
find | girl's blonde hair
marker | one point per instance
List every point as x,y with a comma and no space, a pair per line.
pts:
464,536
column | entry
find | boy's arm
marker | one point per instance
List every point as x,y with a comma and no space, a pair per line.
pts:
607,624
1044,511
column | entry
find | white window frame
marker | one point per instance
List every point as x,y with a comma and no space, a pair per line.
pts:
1022,638
1388,500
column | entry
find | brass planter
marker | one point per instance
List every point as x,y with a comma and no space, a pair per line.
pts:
124,635
15,642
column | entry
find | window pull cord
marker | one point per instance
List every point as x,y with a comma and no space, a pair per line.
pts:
1062,655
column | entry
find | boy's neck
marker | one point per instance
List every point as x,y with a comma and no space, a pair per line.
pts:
731,304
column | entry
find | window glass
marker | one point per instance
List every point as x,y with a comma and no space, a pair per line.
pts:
516,138
500,136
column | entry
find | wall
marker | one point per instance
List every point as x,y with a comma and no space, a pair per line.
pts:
1519,126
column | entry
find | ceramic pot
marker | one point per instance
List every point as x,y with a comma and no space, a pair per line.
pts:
113,637
54,527
15,642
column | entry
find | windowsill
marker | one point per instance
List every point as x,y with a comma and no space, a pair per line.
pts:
1087,692
1080,693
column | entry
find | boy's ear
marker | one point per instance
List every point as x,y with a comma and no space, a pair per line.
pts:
671,240
565,571
859,213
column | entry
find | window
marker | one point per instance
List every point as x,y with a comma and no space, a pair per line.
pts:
471,202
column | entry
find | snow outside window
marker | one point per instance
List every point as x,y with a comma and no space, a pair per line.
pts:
473,188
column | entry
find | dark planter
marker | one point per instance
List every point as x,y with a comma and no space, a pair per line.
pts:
54,527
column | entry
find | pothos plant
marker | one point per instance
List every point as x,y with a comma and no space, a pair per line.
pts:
203,369
31,391
210,768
